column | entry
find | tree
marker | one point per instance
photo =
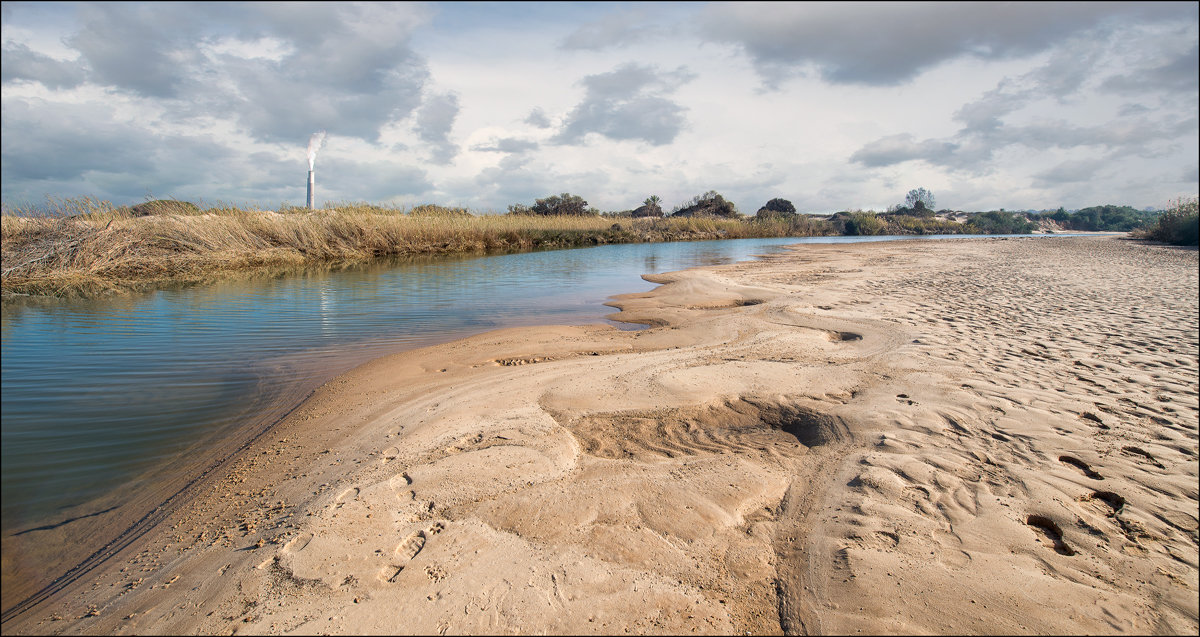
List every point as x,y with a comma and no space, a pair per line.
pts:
649,208
710,204
919,199
776,208
564,204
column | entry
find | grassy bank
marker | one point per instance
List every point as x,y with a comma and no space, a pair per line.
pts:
89,248
1179,225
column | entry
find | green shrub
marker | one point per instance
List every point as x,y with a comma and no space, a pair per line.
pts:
1000,222
1179,225
776,208
710,204
864,224
921,224
564,204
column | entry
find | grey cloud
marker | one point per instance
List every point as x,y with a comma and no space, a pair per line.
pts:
1191,174
300,22
900,148
138,47
971,148
88,151
279,108
537,117
611,30
1066,71
1125,133
435,118
21,63
83,147
512,184
1071,172
628,103
518,180
985,113
1129,110
1180,74
507,145
890,43
629,79
348,67
984,130
347,180
50,141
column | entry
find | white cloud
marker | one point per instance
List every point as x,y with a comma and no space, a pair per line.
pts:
832,106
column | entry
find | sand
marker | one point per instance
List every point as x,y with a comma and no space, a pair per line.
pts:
969,436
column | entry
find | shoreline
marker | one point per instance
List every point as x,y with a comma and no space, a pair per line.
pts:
776,377
99,250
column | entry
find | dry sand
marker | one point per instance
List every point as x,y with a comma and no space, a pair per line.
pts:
975,436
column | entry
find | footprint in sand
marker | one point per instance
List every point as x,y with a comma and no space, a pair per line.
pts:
399,484
1138,451
1052,531
297,544
348,494
294,545
1087,415
389,454
1081,465
1115,503
403,554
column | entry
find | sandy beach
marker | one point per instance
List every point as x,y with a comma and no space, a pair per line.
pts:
961,436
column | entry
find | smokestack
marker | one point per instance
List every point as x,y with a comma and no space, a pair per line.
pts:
312,183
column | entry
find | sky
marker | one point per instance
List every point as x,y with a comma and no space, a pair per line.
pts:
832,106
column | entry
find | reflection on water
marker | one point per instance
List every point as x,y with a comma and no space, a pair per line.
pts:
98,392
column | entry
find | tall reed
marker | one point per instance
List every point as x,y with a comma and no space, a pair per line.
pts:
86,247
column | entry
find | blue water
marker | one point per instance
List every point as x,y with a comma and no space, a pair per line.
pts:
98,393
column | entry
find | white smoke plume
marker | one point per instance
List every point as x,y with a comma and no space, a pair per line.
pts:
314,144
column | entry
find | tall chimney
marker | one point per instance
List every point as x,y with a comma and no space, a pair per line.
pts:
312,183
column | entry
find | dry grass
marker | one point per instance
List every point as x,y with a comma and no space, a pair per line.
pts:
85,247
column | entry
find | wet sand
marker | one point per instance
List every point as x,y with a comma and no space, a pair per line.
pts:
979,436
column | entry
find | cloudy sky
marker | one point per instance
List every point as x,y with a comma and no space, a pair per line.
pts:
832,106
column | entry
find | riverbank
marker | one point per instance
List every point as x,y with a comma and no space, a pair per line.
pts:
111,252
1000,433
85,248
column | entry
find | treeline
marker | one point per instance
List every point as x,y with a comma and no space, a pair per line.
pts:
915,217
1108,218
